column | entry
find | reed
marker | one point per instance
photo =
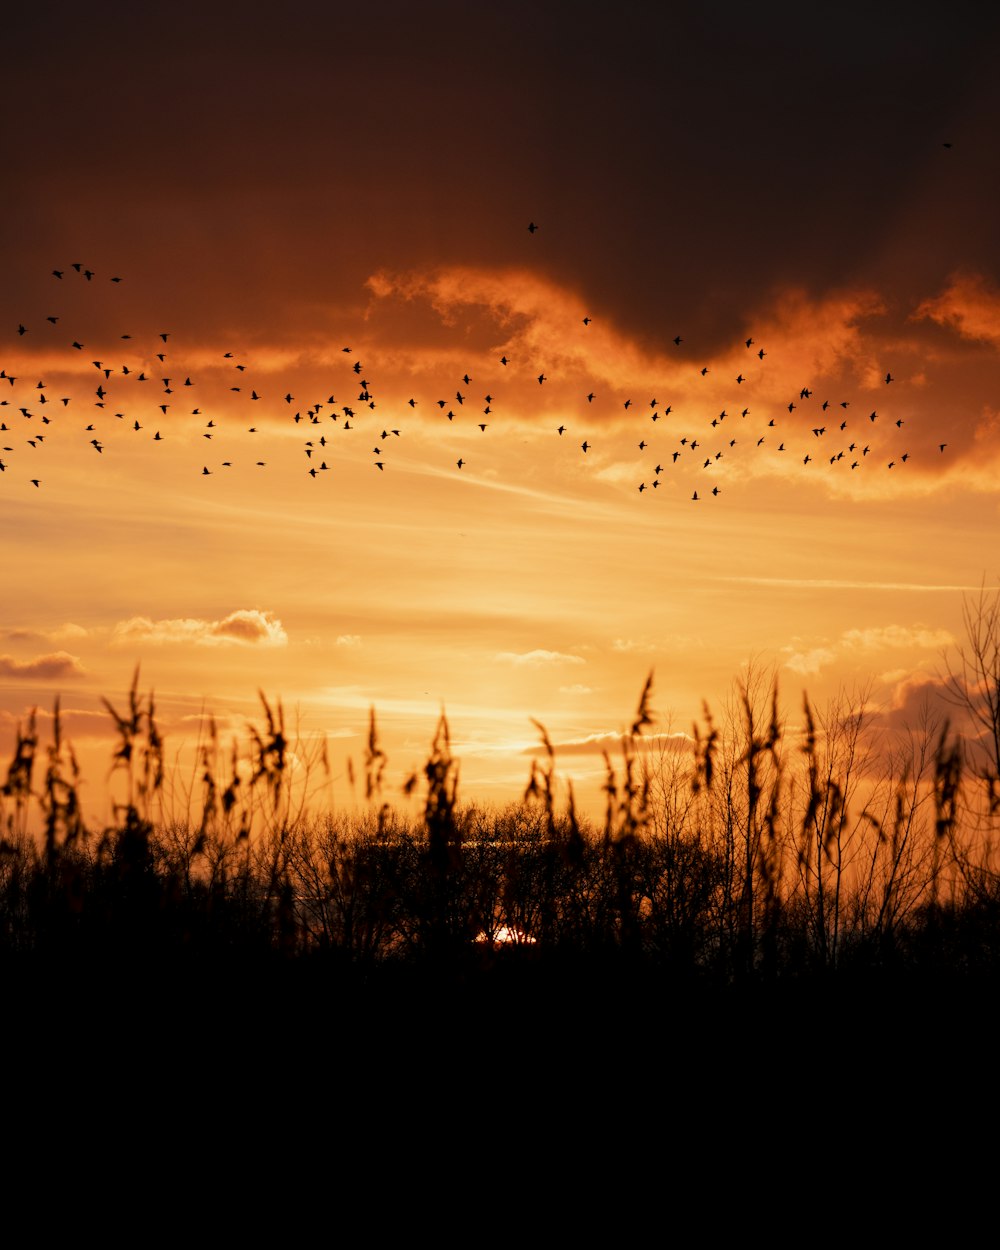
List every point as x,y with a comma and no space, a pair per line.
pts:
767,855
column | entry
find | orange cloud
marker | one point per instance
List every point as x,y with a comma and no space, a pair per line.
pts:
249,626
865,641
53,667
537,659
598,744
969,305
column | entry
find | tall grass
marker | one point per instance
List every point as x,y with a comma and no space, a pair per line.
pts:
768,854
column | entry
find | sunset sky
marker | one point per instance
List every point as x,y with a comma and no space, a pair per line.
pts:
275,183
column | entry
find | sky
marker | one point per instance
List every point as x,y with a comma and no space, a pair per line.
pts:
764,272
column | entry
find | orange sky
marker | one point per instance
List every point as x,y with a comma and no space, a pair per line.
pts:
280,194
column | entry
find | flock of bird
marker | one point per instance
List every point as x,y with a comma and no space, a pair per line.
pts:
149,391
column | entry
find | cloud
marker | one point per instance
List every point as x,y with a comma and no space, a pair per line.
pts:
202,723
598,744
64,633
68,631
55,666
348,640
248,626
575,689
829,583
78,723
866,641
806,662
887,637
537,659
925,700
629,644
969,305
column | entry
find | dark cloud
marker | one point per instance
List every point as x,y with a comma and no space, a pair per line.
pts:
682,161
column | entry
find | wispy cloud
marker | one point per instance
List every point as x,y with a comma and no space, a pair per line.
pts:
630,644
830,583
598,744
537,659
